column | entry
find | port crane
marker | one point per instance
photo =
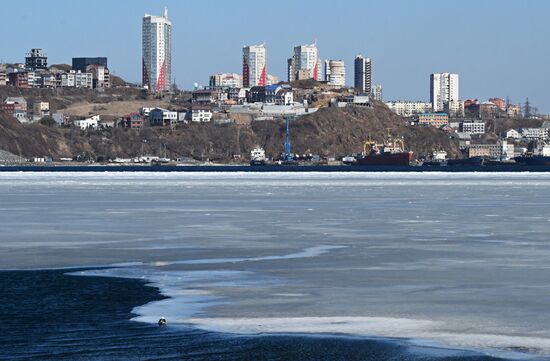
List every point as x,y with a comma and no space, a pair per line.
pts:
287,156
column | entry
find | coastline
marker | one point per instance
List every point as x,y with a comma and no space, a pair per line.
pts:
276,168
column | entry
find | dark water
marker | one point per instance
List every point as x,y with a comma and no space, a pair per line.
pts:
48,315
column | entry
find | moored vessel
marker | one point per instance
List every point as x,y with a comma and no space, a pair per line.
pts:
391,152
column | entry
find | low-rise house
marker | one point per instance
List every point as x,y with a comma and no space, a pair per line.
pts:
472,127
279,94
205,96
132,121
159,117
464,139
12,104
19,79
201,114
145,111
512,134
60,119
257,94
433,119
40,110
48,80
488,110
88,123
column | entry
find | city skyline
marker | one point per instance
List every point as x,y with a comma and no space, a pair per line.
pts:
491,60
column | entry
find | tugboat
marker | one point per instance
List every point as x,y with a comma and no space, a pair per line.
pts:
257,156
390,153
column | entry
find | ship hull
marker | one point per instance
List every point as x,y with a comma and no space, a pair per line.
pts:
534,160
403,158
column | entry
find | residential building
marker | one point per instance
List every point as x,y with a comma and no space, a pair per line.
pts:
132,121
464,139
40,109
201,113
406,108
488,110
472,127
157,52
83,63
2,75
305,63
76,79
499,150
433,119
34,79
377,92
335,73
204,96
513,111
47,80
279,94
13,104
36,60
500,103
512,134
444,87
88,123
226,80
159,117
254,66
256,94
363,75
101,77
455,108
351,100
271,80
534,133
60,119
19,79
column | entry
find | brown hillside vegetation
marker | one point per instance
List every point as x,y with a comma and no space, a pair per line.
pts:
328,132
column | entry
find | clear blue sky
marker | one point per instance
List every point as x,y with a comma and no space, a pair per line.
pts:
499,47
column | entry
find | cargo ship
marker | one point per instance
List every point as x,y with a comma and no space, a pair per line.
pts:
540,157
538,160
392,152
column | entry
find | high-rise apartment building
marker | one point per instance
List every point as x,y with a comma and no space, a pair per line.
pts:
335,73
157,52
254,66
363,75
377,92
444,88
305,63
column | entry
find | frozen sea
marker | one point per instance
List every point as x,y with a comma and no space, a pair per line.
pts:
434,266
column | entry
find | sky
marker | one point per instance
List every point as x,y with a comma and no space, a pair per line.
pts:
500,48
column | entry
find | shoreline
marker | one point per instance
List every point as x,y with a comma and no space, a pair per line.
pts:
275,168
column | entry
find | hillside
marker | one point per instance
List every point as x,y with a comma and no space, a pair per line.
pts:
328,132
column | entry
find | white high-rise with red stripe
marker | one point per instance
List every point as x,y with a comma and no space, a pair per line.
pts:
157,52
